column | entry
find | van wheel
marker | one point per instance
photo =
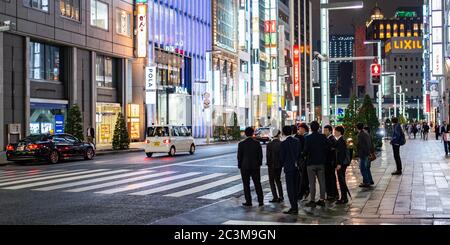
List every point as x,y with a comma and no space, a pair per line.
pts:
172,151
149,154
192,149
54,157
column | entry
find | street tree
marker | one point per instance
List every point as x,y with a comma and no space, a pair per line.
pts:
367,114
351,119
121,139
74,122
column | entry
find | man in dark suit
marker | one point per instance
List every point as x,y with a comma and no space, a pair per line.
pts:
330,167
289,157
316,150
364,149
341,163
274,166
249,162
303,190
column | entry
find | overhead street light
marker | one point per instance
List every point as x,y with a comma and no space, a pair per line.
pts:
324,49
392,74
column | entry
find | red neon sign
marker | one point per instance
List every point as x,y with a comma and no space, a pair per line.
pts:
296,71
270,26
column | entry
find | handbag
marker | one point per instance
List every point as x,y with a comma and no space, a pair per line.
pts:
372,157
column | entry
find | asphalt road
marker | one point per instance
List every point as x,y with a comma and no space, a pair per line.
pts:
126,188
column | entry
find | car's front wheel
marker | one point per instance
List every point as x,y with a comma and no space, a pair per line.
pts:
192,149
89,154
53,158
149,154
172,151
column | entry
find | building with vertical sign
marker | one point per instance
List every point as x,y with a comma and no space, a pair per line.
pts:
177,40
60,53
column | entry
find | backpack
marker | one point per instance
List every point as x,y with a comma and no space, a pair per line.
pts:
402,139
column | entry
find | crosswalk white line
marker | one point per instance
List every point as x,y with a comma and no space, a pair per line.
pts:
49,182
148,183
28,176
51,177
178,184
189,161
254,222
119,182
84,182
229,191
17,174
205,186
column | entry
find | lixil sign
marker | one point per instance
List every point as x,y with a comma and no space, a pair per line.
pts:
403,45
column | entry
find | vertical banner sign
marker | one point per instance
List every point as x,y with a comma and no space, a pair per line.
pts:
141,37
296,71
150,85
59,124
428,103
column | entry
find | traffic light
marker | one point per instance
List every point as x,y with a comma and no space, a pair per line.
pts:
375,74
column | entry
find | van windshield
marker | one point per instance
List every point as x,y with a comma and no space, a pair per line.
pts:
157,131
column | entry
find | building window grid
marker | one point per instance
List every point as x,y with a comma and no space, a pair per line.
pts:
70,9
99,14
45,62
38,4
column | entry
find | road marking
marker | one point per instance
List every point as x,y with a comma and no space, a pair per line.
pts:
178,184
32,175
253,222
48,182
84,182
50,177
119,182
229,191
204,187
190,161
148,183
213,166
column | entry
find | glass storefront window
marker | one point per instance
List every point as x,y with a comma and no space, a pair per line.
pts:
45,62
47,118
106,118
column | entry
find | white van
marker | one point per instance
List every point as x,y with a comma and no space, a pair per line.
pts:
168,139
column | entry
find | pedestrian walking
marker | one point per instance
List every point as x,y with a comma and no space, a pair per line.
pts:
426,130
289,159
445,129
316,149
343,160
330,166
436,131
274,166
415,130
303,131
398,139
90,135
409,128
364,147
249,162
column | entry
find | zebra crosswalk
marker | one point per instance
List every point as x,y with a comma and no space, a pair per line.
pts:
141,182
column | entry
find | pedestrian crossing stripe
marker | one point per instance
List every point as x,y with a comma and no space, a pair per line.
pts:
148,183
48,182
50,177
178,184
205,187
129,182
119,182
31,175
229,191
26,174
85,182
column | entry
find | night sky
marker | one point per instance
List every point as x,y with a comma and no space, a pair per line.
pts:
341,20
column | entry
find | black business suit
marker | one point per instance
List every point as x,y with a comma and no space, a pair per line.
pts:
330,168
303,179
341,151
249,162
274,168
289,158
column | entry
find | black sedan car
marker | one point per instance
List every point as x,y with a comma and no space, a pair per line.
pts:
51,148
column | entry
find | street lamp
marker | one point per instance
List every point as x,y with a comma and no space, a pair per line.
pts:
324,38
335,107
418,109
394,75
400,98
380,87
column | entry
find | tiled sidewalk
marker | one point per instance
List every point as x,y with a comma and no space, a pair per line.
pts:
420,196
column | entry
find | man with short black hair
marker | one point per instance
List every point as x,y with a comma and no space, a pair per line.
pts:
289,157
303,130
249,162
316,149
364,149
330,167
398,138
274,166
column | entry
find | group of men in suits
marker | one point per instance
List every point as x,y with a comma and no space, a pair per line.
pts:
304,157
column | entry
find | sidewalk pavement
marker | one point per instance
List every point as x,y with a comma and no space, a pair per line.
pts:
134,147
420,196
